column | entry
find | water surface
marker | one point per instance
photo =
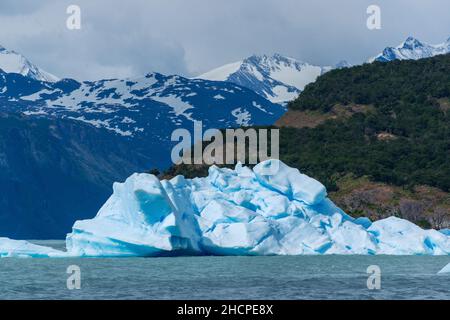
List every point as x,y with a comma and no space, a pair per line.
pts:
299,277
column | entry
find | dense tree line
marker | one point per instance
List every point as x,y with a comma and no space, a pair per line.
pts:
385,85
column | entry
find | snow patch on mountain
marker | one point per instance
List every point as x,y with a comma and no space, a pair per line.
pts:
179,107
222,73
243,117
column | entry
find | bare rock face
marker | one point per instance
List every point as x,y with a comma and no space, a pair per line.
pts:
424,205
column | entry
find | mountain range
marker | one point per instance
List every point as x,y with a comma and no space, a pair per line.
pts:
151,106
281,79
412,49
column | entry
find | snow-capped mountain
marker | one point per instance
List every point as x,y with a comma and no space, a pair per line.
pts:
412,49
13,62
276,78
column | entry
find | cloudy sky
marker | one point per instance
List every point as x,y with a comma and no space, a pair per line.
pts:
188,37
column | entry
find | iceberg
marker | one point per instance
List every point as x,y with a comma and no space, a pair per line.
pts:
25,249
234,212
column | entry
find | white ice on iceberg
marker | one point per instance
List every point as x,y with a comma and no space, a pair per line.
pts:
239,212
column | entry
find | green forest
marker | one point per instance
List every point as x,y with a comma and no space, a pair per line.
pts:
409,105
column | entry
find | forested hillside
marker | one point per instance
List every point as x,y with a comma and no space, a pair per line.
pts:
401,138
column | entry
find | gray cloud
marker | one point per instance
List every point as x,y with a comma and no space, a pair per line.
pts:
127,38
14,7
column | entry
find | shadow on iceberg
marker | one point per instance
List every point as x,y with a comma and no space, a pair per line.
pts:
233,212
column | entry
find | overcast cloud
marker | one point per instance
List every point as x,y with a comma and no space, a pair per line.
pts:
134,37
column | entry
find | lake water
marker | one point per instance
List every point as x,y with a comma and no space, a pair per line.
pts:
300,277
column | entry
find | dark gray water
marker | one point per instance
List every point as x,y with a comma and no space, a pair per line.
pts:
302,277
